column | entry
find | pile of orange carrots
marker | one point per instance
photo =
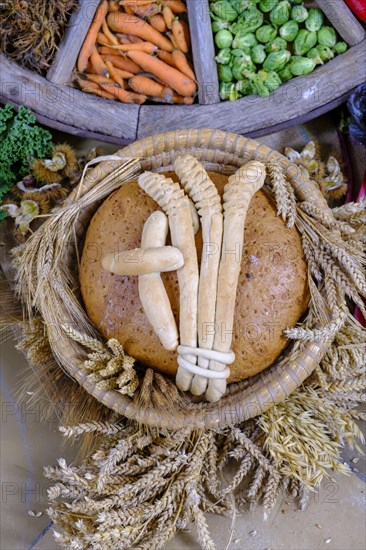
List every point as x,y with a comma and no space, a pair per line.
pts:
136,50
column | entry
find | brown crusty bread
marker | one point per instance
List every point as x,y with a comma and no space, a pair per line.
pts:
272,293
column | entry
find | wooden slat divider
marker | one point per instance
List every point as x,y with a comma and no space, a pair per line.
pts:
343,20
67,54
203,50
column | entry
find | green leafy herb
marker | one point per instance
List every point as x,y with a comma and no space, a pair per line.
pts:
21,141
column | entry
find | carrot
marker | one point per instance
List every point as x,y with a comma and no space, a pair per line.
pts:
134,39
97,78
123,39
123,74
150,87
187,34
107,33
177,6
90,39
179,35
115,74
166,57
172,77
123,95
98,63
91,88
175,98
130,24
135,2
141,47
182,64
105,50
182,100
168,16
172,39
113,6
128,9
129,39
102,39
121,62
157,21
147,11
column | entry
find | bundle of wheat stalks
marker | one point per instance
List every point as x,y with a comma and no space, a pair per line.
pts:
137,484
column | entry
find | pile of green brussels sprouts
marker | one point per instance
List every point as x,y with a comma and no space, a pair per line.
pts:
263,43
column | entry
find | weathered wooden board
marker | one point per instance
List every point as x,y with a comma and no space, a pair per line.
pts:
66,104
67,54
203,50
293,99
343,20
69,109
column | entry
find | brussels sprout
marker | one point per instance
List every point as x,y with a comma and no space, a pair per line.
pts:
276,60
276,45
241,56
258,85
340,47
270,79
227,91
225,73
315,20
289,31
325,52
327,37
258,54
302,65
280,13
299,14
285,74
244,40
267,5
249,21
224,56
241,63
219,24
315,54
223,39
242,53
304,41
224,10
266,34
242,5
244,87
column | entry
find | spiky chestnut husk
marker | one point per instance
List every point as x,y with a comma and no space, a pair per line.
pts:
71,165
43,196
43,174
335,178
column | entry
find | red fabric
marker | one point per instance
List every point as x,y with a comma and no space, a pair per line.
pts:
358,7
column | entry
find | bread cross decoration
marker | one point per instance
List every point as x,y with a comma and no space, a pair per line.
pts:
207,296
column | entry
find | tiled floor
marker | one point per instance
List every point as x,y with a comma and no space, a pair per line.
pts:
336,512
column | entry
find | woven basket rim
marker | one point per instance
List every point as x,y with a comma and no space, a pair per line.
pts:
242,401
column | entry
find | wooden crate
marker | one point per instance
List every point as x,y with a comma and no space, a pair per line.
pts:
61,106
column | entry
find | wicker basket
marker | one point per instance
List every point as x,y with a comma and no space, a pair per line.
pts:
222,152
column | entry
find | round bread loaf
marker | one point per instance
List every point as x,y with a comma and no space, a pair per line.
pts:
272,292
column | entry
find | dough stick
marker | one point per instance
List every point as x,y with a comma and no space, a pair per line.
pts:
203,192
239,191
142,261
172,199
152,292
